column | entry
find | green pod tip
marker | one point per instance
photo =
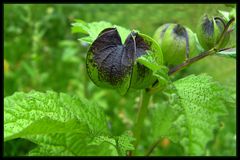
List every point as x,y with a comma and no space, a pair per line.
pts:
209,32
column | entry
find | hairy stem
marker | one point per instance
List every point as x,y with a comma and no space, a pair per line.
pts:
142,112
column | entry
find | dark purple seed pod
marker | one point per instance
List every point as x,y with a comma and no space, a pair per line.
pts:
111,64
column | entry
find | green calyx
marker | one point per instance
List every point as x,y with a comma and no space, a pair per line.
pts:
177,43
209,32
111,64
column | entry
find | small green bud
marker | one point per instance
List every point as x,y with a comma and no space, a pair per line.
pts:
177,43
209,32
111,64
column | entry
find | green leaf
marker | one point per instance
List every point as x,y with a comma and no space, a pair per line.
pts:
151,60
154,63
142,76
165,115
231,53
232,13
122,143
193,116
93,29
79,27
69,144
47,125
202,102
58,123
163,118
225,14
22,109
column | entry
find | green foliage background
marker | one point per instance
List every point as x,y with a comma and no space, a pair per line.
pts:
41,53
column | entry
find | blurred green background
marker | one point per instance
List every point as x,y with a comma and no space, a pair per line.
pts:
41,53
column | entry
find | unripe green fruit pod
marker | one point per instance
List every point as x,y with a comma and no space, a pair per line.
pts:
111,64
176,42
209,32
142,76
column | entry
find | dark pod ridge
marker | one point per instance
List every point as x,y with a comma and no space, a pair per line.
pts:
208,26
164,30
181,32
209,32
110,63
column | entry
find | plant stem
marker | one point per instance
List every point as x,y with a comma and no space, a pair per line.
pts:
194,59
225,31
190,61
152,147
142,112
86,80
205,53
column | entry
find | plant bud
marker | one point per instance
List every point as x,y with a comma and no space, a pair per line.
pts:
209,32
111,64
176,41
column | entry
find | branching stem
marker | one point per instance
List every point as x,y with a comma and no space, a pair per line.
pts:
190,61
203,54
